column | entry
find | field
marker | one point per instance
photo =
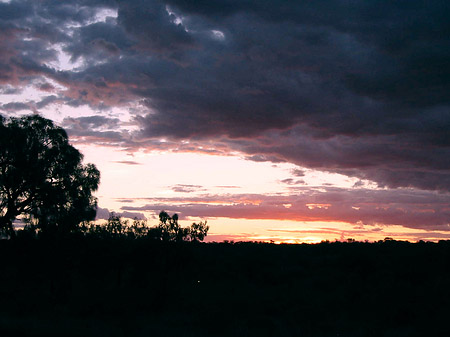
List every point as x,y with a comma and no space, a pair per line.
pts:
91,287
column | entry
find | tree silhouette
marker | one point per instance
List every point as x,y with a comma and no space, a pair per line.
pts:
42,177
170,230
167,230
198,231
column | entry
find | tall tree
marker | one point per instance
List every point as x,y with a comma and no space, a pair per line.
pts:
42,177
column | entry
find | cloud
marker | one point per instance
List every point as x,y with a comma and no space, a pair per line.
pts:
127,162
408,208
298,173
391,161
9,90
16,106
48,99
356,88
104,214
91,122
290,181
128,201
186,188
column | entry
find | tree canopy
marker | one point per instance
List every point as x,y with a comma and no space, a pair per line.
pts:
42,177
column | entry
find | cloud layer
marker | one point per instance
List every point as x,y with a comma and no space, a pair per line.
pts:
424,210
359,88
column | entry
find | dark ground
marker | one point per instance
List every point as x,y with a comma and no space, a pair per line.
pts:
90,287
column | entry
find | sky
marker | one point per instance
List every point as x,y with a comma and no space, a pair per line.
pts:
291,121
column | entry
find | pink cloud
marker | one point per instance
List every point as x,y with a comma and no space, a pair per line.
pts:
425,210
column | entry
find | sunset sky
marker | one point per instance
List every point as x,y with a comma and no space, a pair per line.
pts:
292,121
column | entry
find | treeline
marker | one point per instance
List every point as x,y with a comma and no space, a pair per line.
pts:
167,230
87,286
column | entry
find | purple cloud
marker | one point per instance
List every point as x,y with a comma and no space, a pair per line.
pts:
408,208
355,88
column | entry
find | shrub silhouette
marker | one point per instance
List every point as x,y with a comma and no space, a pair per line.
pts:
42,177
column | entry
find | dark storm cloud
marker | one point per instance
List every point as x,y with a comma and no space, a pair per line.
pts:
354,87
391,161
98,41
30,31
154,27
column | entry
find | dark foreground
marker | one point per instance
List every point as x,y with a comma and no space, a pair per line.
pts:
84,287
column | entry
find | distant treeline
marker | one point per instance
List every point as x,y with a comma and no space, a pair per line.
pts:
100,286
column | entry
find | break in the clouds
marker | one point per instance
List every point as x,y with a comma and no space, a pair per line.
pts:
359,88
